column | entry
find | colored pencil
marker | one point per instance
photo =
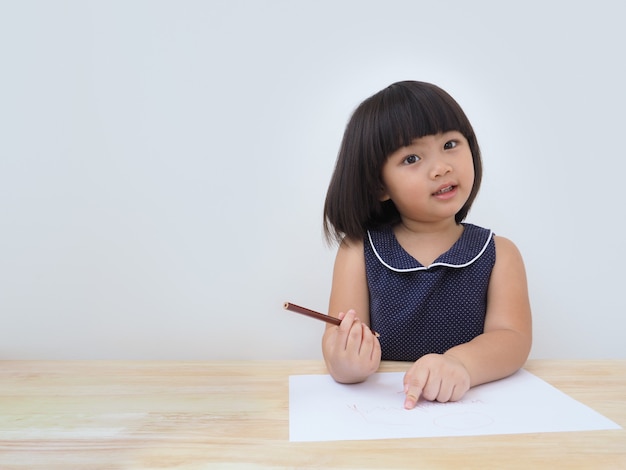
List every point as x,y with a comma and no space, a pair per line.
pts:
313,314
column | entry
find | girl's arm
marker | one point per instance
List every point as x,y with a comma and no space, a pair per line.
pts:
351,351
504,346
500,351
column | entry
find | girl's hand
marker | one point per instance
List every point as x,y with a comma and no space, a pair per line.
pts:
351,349
435,377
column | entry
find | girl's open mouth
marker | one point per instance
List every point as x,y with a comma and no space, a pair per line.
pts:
447,189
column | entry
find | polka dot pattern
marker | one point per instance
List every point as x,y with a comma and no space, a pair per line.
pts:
419,310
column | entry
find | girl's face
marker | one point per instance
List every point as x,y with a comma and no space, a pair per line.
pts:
431,179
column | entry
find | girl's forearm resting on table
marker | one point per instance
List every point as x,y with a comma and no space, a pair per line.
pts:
492,355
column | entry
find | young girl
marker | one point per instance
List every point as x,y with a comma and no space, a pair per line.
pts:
449,296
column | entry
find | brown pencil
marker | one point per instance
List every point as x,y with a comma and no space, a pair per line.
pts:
313,314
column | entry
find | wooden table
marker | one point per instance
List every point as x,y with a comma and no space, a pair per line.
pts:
197,415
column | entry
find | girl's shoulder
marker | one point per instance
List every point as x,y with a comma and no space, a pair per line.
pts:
504,243
506,250
350,247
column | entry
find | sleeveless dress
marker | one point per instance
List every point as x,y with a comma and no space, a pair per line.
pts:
427,309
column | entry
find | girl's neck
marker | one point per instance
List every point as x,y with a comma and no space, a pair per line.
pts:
427,241
426,229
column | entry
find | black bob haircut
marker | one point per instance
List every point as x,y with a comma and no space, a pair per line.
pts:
380,125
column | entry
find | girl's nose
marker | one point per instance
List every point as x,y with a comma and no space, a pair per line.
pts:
440,168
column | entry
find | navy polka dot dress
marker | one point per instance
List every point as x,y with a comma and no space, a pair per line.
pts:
419,310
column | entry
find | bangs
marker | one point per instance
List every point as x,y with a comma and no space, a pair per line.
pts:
407,112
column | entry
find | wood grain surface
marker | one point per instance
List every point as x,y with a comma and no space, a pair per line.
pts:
232,415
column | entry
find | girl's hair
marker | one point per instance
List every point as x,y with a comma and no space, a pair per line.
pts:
386,121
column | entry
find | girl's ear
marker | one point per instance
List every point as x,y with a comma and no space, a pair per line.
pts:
382,194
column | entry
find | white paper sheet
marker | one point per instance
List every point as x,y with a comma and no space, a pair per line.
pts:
322,410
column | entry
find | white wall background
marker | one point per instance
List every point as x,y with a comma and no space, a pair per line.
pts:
163,164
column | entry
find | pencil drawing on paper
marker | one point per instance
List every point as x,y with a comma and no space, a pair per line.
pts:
463,421
383,415
451,415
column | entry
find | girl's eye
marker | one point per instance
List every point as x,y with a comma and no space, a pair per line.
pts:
411,159
450,144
